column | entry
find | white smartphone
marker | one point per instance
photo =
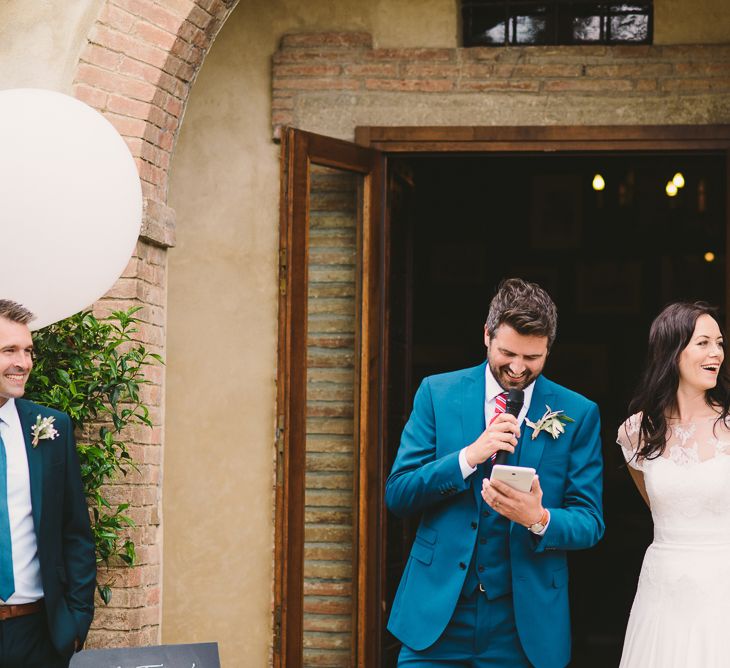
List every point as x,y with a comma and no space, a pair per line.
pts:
517,477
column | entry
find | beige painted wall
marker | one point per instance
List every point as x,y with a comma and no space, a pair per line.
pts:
695,22
218,476
40,41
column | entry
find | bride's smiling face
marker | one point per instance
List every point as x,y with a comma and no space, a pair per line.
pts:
700,361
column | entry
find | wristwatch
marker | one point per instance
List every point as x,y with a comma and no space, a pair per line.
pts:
539,526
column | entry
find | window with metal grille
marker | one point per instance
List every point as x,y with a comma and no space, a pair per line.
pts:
514,22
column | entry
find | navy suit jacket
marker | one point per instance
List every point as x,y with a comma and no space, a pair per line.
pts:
448,414
66,549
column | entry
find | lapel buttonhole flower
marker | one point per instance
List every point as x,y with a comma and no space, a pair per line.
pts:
43,429
552,422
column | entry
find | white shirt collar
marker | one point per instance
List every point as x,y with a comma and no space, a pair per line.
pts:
7,411
493,388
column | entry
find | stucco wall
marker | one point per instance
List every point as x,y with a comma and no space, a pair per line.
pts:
40,42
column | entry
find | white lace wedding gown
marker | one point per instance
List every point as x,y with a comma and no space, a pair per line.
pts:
681,613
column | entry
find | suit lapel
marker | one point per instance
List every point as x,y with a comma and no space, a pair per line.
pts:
473,391
529,450
35,461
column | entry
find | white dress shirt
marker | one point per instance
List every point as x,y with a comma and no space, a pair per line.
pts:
492,390
26,567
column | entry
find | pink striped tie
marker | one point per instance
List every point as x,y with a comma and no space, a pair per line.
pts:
499,408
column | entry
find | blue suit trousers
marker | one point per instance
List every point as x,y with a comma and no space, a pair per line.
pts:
480,634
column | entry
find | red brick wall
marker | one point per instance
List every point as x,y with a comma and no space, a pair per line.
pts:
137,69
342,72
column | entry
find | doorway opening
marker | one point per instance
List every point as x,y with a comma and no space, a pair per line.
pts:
611,258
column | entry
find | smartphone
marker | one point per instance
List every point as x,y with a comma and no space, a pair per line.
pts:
517,477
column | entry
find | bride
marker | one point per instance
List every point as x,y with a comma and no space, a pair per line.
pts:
677,445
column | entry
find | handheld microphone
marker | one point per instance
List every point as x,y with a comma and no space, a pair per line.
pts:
515,400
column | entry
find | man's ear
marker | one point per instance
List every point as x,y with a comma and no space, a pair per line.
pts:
486,336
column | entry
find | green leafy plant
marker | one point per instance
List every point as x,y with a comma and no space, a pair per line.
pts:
93,370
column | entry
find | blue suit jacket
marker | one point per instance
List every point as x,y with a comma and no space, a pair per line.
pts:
448,414
66,549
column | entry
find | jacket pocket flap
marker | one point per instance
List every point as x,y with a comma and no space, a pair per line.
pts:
423,553
427,534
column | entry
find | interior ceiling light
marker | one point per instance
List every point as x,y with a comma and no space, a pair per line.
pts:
709,256
671,189
678,180
598,182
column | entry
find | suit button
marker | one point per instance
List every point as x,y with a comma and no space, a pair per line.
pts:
462,565
482,541
481,569
473,525
485,513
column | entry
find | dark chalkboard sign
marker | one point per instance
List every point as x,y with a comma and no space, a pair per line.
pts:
200,655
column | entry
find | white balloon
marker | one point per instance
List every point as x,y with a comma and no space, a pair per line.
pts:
70,203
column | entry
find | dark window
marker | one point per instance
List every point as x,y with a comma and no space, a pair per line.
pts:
513,22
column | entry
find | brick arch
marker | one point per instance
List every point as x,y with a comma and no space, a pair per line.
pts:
137,68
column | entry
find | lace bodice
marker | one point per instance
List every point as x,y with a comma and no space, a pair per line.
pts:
689,484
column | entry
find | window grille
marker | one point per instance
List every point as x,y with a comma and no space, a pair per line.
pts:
519,22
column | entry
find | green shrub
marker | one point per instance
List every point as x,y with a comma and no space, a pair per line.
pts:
93,369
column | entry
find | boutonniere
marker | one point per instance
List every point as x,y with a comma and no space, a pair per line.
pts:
43,429
552,422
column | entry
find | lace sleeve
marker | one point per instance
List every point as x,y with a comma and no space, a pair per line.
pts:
628,439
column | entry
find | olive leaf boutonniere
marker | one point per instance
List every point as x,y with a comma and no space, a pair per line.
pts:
552,422
43,429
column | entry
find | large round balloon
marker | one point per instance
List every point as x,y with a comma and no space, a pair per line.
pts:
70,203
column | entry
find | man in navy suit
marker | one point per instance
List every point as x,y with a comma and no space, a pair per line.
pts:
486,582
47,553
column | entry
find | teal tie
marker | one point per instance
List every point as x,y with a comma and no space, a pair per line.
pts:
7,579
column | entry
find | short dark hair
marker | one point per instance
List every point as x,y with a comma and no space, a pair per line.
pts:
15,312
525,307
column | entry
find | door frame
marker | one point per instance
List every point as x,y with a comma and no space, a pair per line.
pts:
402,141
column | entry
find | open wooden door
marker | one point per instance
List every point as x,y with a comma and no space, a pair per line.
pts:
329,490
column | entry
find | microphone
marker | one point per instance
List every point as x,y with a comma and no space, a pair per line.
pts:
515,400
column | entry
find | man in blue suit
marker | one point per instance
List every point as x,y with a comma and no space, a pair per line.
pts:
486,583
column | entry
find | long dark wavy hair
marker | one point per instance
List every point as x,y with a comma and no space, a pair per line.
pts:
656,395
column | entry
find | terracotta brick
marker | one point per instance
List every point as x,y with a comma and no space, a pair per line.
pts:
116,17
503,85
308,70
625,71
128,45
430,70
695,85
199,17
538,71
129,107
152,12
607,87
92,96
413,85
702,69
412,55
316,84
153,34
100,56
115,83
370,70
645,85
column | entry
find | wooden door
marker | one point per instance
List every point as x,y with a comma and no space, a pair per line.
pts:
328,474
